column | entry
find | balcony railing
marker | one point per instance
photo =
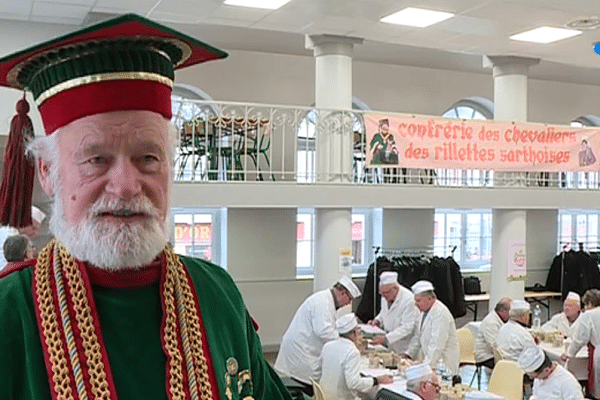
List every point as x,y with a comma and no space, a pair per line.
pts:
233,142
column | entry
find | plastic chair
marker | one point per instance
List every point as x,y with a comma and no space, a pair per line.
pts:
507,380
318,390
466,347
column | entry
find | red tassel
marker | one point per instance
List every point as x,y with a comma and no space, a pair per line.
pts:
18,171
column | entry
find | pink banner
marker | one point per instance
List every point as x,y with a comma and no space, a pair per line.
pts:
421,142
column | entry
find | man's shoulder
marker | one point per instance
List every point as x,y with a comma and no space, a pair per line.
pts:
203,267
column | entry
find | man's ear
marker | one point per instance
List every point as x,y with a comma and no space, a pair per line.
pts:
44,176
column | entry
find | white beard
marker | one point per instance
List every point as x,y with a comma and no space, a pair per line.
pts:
107,245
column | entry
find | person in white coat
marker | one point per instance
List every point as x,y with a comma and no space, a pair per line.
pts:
338,370
421,383
563,321
488,331
550,380
513,336
586,331
435,334
313,325
398,313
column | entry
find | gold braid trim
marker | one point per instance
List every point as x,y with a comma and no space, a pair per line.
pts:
49,326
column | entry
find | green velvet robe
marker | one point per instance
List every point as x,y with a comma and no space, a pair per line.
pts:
131,320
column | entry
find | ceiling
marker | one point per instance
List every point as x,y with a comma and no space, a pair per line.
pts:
478,28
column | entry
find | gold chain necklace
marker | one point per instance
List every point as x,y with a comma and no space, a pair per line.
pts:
65,364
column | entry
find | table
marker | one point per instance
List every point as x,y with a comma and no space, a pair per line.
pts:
577,365
542,298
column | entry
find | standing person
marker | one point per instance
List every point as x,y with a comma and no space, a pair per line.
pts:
17,248
488,331
313,325
550,380
563,321
398,314
135,320
339,364
421,383
435,335
587,332
513,336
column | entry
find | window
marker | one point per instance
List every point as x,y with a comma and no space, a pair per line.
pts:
578,226
305,165
466,235
468,108
200,232
582,180
366,229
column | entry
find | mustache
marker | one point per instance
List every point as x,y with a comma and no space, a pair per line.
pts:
116,206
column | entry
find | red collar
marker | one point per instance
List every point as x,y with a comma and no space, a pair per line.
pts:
128,278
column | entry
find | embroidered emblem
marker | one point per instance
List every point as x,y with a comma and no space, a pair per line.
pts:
232,366
244,377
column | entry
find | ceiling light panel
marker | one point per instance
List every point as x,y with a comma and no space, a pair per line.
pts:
266,4
545,34
418,17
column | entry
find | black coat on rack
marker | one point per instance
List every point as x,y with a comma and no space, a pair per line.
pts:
580,273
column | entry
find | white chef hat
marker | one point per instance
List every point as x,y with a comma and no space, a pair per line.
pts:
346,323
531,358
520,305
421,286
417,372
37,214
573,296
388,278
348,284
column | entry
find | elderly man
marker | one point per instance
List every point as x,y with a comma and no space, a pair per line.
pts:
313,325
563,321
586,331
31,231
398,313
488,331
108,310
435,335
421,383
550,380
17,248
339,364
513,336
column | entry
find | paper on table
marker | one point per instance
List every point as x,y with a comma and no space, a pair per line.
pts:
371,330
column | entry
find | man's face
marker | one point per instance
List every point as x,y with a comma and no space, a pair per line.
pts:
113,186
343,298
424,302
571,309
430,388
385,128
389,292
503,314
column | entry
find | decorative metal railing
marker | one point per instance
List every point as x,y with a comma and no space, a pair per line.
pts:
225,141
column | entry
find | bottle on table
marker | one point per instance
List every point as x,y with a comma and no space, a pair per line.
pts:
536,318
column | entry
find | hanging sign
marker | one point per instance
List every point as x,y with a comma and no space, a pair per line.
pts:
427,142
517,260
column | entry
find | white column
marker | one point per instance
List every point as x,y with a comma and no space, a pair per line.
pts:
333,91
510,104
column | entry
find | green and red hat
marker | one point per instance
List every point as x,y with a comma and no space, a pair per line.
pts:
126,63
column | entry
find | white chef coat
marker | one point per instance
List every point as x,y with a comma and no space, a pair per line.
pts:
313,325
560,385
435,336
338,371
399,319
587,330
512,339
559,322
486,337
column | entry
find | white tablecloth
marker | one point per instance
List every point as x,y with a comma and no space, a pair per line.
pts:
577,365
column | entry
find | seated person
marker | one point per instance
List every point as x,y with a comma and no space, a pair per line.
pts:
398,313
513,336
563,321
488,331
550,380
339,364
421,383
17,248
